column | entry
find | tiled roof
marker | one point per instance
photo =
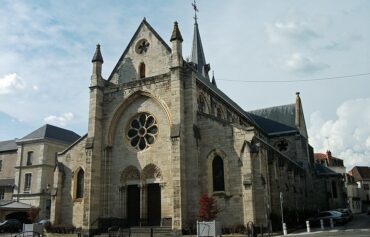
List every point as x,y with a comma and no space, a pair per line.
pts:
361,172
320,156
9,145
52,132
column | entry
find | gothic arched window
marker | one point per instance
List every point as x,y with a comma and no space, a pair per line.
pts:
201,104
218,174
80,184
142,70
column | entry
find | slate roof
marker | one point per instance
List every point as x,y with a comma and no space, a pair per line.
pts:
6,182
197,54
361,172
321,170
9,145
272,127
52,132
13,205
284,114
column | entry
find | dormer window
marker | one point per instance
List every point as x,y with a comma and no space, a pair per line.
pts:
142,70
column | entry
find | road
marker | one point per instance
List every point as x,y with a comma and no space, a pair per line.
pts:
358,227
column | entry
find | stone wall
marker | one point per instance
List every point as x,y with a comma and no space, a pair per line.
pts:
68,210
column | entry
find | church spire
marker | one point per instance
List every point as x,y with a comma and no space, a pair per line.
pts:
197,54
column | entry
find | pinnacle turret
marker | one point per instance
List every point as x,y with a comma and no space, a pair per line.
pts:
176,35
214,80
97,56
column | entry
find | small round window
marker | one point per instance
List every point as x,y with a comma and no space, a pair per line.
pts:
142,46
143,131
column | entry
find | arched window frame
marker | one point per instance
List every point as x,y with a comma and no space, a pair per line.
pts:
142,70
212,155
218,175
78,188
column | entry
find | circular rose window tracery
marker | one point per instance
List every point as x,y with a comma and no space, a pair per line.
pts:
142,131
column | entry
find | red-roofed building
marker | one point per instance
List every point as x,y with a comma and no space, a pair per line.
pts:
333,163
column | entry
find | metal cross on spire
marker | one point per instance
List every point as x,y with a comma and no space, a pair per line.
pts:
194,4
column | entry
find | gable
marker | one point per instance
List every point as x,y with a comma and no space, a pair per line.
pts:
146,47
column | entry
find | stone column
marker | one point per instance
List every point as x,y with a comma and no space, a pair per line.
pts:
122,201
143,204
163,204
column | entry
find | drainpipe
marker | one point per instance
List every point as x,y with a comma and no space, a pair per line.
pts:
20,173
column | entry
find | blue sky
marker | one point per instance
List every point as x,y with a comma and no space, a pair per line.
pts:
46,49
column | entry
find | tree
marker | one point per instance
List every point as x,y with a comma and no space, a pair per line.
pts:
207,208
33,213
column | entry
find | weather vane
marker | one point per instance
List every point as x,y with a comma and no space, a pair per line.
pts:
194,4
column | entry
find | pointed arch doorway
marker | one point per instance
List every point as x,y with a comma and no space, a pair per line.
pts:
154,204
152,176
130,195
133,205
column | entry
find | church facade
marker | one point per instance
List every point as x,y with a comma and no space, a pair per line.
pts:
161,133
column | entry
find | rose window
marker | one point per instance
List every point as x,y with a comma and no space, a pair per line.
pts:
142,46
282,145
143,131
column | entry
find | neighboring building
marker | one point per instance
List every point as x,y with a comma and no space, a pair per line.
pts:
8,159
329,188
362,176
353,194
335,188
161,133
333,163
35,164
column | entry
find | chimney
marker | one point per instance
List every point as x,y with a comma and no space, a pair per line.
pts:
298,110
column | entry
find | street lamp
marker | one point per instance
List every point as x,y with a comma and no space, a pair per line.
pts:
282,214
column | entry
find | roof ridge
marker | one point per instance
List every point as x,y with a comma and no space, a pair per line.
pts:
271,107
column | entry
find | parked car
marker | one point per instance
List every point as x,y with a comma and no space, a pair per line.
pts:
11,225
338,218
44,223
346,212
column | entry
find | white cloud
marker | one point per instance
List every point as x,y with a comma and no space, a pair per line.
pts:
300,64
347,136
10,83
61,120
290,31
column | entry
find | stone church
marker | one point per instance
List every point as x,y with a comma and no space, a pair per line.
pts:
161,133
